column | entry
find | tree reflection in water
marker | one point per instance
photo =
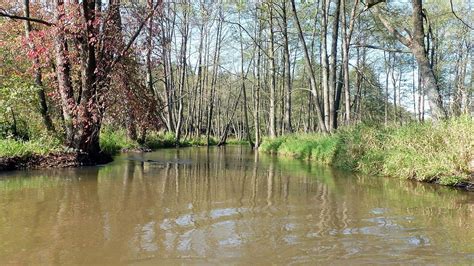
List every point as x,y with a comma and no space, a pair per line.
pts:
227,205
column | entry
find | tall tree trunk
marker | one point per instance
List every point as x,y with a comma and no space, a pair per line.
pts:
214,77
43,106
63,72
288,128
325,63
272,112
387,75
333,68
347,36
312,76
184,44
417,47
244,90
258,83
414,91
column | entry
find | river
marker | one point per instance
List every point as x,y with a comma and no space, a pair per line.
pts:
227,205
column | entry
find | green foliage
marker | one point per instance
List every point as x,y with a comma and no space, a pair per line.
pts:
429,152
326,149
42,146
426,152
316,147
159,140
17,100
113,141
199,141
272,145
233,141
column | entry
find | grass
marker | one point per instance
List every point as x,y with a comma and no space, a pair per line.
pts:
168,140
425,152
17,148
235,141
113,141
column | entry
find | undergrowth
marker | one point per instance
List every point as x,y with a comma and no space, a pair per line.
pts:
19,148
426,152
113,141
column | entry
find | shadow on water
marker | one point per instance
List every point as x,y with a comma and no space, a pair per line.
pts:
227,204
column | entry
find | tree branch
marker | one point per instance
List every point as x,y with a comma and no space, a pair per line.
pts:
134,36
406,41
379,48
460,19
248,33
15,17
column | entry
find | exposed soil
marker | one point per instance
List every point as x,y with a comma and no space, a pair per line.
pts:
52,160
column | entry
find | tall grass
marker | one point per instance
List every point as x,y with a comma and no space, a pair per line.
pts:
426,152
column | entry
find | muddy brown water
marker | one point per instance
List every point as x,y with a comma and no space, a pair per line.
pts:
228,206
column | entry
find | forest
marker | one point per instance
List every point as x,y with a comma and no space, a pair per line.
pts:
383,87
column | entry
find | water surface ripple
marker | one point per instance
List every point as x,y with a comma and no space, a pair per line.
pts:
227,205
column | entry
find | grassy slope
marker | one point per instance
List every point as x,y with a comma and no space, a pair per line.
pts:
425,152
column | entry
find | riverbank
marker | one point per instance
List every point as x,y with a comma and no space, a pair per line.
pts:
49,152
442,153
50,160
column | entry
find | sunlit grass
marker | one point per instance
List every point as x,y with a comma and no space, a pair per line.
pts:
12,147
425,152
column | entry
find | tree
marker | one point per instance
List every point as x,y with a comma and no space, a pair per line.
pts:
416,43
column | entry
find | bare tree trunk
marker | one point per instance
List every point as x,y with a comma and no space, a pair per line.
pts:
244,90
394,84
325,63
257,85
347,35
214,78
460,89
43,106
198,89
421,98
167,33
387,75
63,71
288,128
272,113
414,91
417,46
333,69
310,69
184,44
